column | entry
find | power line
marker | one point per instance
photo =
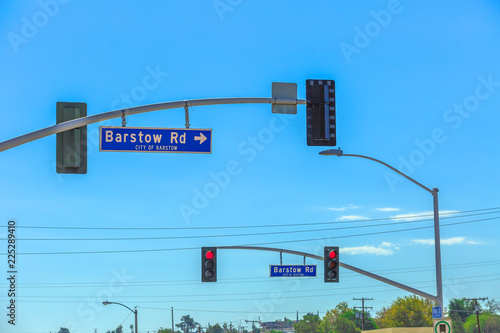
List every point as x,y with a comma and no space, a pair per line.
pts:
211,296
259,226
257,299
252,244
237,235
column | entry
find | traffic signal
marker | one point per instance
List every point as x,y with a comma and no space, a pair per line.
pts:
72,144
321,121
208,264
332,263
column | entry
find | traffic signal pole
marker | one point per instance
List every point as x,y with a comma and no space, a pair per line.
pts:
349,267
76,123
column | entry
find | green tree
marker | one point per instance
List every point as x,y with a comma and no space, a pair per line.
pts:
63,330
493,307
407,311
460,308
164,330
187,324
229,328
310,323
335,320
215,329
457,323
490,323
344,325
119,329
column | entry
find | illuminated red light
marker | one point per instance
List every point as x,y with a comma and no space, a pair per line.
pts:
332,254
209,255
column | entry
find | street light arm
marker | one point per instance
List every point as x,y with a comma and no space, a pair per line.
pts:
393,169
106,303
437,237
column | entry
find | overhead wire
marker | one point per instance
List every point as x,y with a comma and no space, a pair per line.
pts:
323,293
255,226
242,235
254,244
213,296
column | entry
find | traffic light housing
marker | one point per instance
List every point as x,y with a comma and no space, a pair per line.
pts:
321,119
72,144
332,263
208,264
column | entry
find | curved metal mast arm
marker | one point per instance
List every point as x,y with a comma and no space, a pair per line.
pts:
68,125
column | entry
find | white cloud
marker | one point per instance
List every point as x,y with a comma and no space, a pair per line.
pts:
367,249
421,215
424,241
447,241
342,209
351,218
384,249
388,209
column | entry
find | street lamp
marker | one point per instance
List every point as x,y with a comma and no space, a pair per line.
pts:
134,311
434,192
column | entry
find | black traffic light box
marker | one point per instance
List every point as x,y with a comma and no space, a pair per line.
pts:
72,144
321,119
208,264
332,263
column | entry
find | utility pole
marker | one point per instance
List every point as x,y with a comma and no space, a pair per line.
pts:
172,319
253,323
477,309
363,307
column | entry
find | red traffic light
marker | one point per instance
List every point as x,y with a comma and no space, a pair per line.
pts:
209,255
332,254
209,264
331,260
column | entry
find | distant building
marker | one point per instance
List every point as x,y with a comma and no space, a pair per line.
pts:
285,326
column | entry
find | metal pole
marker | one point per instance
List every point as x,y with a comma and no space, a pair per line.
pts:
477,314
437,249
437,239
136,329
79,122
363,322
173,320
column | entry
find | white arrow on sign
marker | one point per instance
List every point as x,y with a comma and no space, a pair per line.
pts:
201,138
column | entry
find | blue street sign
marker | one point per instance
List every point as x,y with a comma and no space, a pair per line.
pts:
155,140
292,270
437,312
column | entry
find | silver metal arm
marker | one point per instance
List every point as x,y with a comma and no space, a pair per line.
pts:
68,125
352,268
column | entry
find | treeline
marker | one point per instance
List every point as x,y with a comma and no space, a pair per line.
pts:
407,311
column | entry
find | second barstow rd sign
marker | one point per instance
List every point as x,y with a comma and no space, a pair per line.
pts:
155,140
292,270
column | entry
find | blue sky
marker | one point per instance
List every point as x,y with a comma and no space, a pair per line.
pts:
418,87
